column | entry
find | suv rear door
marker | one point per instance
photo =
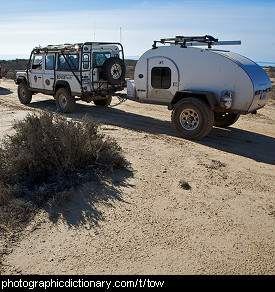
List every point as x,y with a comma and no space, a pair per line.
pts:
48,76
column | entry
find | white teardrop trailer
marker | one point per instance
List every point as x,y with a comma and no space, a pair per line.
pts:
202,87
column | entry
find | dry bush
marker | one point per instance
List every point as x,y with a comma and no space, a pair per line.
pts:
184,185
48,154
15,214
46,157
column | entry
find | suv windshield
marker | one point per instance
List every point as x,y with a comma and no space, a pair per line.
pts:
99,58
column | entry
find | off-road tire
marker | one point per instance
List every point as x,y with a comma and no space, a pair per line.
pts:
113,71
24,94
224,120
192,118
103,102
64,101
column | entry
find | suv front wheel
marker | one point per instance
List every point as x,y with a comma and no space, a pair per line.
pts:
64,101
24,95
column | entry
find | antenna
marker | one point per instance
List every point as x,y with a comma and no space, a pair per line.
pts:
120,38
94,31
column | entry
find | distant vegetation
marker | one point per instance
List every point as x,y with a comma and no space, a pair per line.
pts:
9,67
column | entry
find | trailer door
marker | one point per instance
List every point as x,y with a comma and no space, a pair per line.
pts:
163,79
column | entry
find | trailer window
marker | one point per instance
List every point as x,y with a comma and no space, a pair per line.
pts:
68,62
161,77
99,58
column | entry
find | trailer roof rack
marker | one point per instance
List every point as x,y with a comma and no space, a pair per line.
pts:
188,41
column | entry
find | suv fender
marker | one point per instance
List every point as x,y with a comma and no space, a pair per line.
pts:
20,79
206,96
62,84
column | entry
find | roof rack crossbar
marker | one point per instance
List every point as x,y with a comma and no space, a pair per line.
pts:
187,41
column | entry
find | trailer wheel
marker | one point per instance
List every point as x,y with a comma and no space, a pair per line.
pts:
224,120
64,101
24,95
103,102
113,70
192,118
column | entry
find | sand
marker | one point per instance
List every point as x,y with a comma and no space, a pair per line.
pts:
183,208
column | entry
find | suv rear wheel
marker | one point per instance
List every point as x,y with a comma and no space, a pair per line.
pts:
24,94
192,118
64,101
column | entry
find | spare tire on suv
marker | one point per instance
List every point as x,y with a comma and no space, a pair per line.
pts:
113,70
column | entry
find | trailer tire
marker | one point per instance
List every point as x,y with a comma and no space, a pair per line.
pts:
113,70
64,101
224,120
103,102
24,94
192,118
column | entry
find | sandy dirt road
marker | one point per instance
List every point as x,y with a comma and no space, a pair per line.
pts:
145,222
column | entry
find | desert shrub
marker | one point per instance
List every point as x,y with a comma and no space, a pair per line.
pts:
15,213
48,154
185,185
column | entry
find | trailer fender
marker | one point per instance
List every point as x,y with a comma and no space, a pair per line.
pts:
206,96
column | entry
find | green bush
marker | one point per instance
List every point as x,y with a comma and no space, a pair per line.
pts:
48,154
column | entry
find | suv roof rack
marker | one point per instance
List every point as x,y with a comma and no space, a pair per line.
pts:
70,47
188,41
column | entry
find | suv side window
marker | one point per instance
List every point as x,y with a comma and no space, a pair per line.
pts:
68,62
37,62
50,60
86,61
161,77
99,58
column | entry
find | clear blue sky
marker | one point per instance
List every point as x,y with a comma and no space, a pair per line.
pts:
25,24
